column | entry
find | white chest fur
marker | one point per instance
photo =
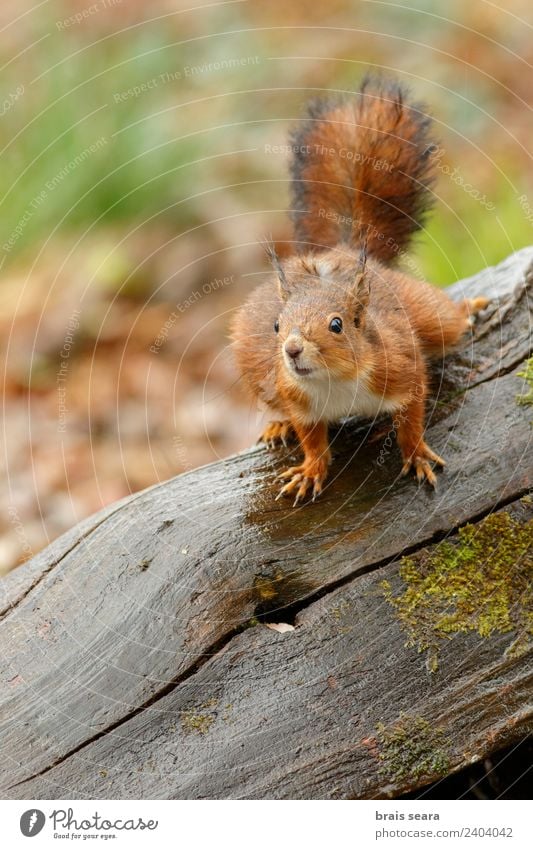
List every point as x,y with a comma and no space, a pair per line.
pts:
332,399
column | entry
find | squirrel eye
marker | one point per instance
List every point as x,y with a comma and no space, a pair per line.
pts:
335,325
276,326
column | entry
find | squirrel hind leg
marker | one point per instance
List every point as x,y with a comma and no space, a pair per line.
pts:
447,327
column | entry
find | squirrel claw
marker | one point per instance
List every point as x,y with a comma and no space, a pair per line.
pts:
420,465
295,479
317,489
301,481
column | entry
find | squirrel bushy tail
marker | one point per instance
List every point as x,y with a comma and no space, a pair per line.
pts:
362,170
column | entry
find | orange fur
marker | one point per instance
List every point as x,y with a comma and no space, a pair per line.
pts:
333,334
362,168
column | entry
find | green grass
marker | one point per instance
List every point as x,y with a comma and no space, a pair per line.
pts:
464,237
145,165
132,173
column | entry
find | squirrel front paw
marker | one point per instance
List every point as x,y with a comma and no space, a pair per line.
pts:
277,432
419,462
309,476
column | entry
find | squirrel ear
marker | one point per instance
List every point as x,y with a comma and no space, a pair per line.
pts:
284,287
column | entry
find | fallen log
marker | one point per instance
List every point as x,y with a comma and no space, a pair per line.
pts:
143,655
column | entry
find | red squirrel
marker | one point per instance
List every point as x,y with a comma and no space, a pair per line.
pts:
338,331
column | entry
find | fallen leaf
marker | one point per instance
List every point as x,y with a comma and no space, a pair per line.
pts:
282,627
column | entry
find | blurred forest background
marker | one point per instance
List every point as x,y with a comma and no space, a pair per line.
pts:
137,179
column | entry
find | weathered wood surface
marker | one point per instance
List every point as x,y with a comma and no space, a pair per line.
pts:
128,672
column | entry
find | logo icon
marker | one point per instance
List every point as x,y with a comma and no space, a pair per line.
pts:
32,822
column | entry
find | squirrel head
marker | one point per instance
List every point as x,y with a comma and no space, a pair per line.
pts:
321,323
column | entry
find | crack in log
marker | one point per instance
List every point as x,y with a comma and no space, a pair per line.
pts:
16,602
213,649
439,536
520,720
292,609
285,610
14,605
502,372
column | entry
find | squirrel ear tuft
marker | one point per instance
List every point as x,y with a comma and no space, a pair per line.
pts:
361,285
363,251
363,289
284,287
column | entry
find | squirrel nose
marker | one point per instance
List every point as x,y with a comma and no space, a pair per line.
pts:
293,348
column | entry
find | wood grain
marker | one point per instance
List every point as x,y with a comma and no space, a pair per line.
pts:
128,667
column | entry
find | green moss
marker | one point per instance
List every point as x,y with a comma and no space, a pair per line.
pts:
339,610
199,721
527,374
267,586
482,583
412,748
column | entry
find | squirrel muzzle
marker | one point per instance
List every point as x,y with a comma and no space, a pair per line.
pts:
300,356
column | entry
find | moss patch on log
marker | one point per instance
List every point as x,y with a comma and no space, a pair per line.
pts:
482,583
199,720
527,374
410,749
